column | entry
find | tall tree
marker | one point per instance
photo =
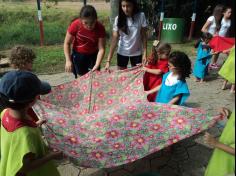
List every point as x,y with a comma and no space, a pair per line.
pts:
114,10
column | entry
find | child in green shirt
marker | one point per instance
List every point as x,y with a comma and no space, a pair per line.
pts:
222,162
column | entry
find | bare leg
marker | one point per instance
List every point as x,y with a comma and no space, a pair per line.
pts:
232,88
224,85
214,59
197,79
202,81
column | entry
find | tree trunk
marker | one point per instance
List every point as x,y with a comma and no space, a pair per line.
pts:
114,10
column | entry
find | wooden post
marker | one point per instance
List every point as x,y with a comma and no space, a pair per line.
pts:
193,20
161,19
114,4
40,23
114,10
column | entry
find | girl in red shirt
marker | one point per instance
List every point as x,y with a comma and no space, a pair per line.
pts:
87,36
157,67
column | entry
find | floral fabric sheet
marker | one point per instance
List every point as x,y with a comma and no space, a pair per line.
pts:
103,120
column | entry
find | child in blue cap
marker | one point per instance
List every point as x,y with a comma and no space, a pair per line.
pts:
23,151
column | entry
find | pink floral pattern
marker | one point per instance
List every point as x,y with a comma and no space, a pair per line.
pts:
104,120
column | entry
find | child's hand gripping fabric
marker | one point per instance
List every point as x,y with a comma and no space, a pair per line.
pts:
40,122
222,162
210,140
213,142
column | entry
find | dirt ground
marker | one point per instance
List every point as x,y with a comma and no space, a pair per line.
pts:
188,158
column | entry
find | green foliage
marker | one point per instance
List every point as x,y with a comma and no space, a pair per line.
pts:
150,8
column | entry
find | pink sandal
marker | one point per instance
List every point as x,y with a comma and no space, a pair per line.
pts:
214,66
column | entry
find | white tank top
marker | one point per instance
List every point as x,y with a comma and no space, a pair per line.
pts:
212,27
225,25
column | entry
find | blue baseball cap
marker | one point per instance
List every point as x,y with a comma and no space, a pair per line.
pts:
22,86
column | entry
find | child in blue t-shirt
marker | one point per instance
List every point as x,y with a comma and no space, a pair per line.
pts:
174,89
203,59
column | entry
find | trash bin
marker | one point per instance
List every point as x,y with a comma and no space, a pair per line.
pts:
172,30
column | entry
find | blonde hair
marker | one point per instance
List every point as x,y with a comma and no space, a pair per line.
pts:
160,47
21,56
164,48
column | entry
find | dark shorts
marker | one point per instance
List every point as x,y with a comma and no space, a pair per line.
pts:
83,63
122,61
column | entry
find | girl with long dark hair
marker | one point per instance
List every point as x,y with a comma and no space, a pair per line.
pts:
129,33
213,26
213,23
225,22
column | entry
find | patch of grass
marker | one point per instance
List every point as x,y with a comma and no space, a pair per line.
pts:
19,24
187,47
51,59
